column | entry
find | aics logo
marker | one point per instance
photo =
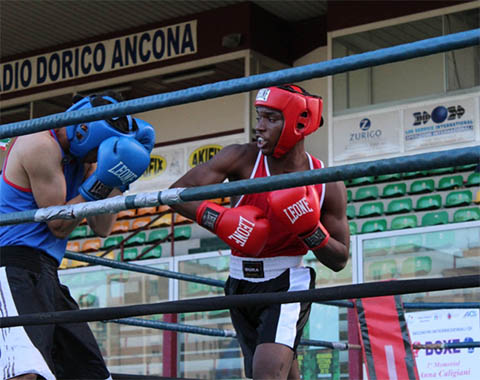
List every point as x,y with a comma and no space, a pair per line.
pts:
439,114
366,134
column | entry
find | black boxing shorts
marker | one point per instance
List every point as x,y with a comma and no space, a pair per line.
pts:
29,284
280,323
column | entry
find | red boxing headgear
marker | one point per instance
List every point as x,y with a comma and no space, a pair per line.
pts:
302,113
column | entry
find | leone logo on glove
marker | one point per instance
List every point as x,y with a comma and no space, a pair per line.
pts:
99,190
242,232
298,209
123,173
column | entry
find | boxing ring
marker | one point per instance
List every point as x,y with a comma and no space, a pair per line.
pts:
335,295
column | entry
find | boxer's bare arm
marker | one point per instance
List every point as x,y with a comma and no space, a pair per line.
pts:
35,163
41,160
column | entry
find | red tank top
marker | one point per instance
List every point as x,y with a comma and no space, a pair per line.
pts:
281,242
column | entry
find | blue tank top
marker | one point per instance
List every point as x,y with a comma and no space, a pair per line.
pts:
14,198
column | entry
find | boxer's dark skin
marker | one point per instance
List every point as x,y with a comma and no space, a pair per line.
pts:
235,162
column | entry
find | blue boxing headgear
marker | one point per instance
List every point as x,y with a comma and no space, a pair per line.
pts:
84,137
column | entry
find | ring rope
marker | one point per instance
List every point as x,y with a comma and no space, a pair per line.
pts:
178,327
445,345
371,289
143,269
219,283
239,85
423,161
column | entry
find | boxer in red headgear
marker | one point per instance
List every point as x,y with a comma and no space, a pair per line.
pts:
270,232
302,113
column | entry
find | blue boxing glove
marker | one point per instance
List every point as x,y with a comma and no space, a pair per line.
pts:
145,134
120,161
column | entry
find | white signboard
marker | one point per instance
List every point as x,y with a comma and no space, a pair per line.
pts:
366,135
440,124
442,326
169,163
99,57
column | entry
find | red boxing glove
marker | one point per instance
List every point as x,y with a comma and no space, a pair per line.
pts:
298,208
244,228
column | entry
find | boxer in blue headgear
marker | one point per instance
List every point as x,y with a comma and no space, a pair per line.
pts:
85,137
63,166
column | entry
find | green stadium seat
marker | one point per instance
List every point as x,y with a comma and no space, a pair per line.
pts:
408,243
388,177
349,195
429,202
404,221
450,182
157,235
377,247
138,239
377,225
351,212
417,266
362,181
353,228
435,218
473,179
399,206
182,233
366,193
421,186
414,174
394,190
79,232
440,239
458,198
112,241
154,253
441,171
382,269
466,168
370,209
467,214
130,254
347,182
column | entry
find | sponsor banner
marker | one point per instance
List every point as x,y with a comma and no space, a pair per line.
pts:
201,151
366,135
166,166
440,123
319,364
443,326
100,57
169,163
203,154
